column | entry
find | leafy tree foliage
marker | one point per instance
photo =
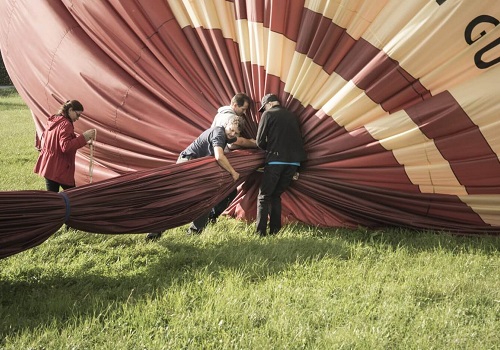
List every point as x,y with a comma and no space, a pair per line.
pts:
4,76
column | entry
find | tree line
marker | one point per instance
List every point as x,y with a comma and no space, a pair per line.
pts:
4,76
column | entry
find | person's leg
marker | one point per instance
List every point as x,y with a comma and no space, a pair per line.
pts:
262,214
199,223
221,206
152,236
51,185
270,178
275,215
287,173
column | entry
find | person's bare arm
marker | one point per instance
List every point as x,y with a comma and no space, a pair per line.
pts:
224,162
242,142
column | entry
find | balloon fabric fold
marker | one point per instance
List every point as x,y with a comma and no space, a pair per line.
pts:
143,201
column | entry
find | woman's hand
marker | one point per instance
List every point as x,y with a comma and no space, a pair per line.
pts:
89,134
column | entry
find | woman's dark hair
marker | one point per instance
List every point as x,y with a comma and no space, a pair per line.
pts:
73,104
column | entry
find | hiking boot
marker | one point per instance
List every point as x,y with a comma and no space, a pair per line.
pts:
153,236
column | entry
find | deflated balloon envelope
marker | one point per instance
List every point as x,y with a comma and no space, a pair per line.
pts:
398,100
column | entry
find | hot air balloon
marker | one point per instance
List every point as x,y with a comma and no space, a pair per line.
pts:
397,101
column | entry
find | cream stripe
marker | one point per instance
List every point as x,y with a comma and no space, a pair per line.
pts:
396,132
354,15
423,162
387,26
257,36
265,48
309,91
350,107
209,14
280,53
227,24
487,206
429,43
181,14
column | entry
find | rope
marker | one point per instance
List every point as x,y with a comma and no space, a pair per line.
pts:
66,203
91,164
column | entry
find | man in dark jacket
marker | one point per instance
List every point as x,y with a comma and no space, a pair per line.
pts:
279,135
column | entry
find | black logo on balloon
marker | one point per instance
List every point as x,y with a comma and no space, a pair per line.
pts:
478,57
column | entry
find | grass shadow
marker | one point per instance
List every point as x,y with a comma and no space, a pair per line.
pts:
59,297
153,268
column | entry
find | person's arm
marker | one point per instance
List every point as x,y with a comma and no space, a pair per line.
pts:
89,134
261,138
242,142
224,162
68,140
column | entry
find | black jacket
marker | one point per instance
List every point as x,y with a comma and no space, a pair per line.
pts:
279,135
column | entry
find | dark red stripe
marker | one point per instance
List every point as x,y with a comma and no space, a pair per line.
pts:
382,79
460,142
311,42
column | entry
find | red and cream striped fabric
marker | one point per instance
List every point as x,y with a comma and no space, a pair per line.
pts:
398,100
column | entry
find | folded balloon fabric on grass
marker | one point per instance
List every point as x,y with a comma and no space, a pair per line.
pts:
138,202
174,195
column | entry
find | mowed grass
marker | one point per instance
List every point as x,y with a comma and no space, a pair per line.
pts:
17,144
306,288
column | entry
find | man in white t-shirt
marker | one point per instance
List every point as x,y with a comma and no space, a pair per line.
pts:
225,115
238,107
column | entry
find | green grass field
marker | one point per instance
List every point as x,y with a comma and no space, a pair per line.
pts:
307,288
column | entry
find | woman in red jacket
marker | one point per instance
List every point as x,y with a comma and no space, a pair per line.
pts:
56,162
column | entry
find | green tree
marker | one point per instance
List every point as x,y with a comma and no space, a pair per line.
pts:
4,76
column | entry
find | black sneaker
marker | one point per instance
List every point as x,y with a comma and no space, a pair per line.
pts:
153,236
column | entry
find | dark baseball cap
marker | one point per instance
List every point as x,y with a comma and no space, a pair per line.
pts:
266,99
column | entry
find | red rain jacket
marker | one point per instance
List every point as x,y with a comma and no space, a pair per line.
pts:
56,161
